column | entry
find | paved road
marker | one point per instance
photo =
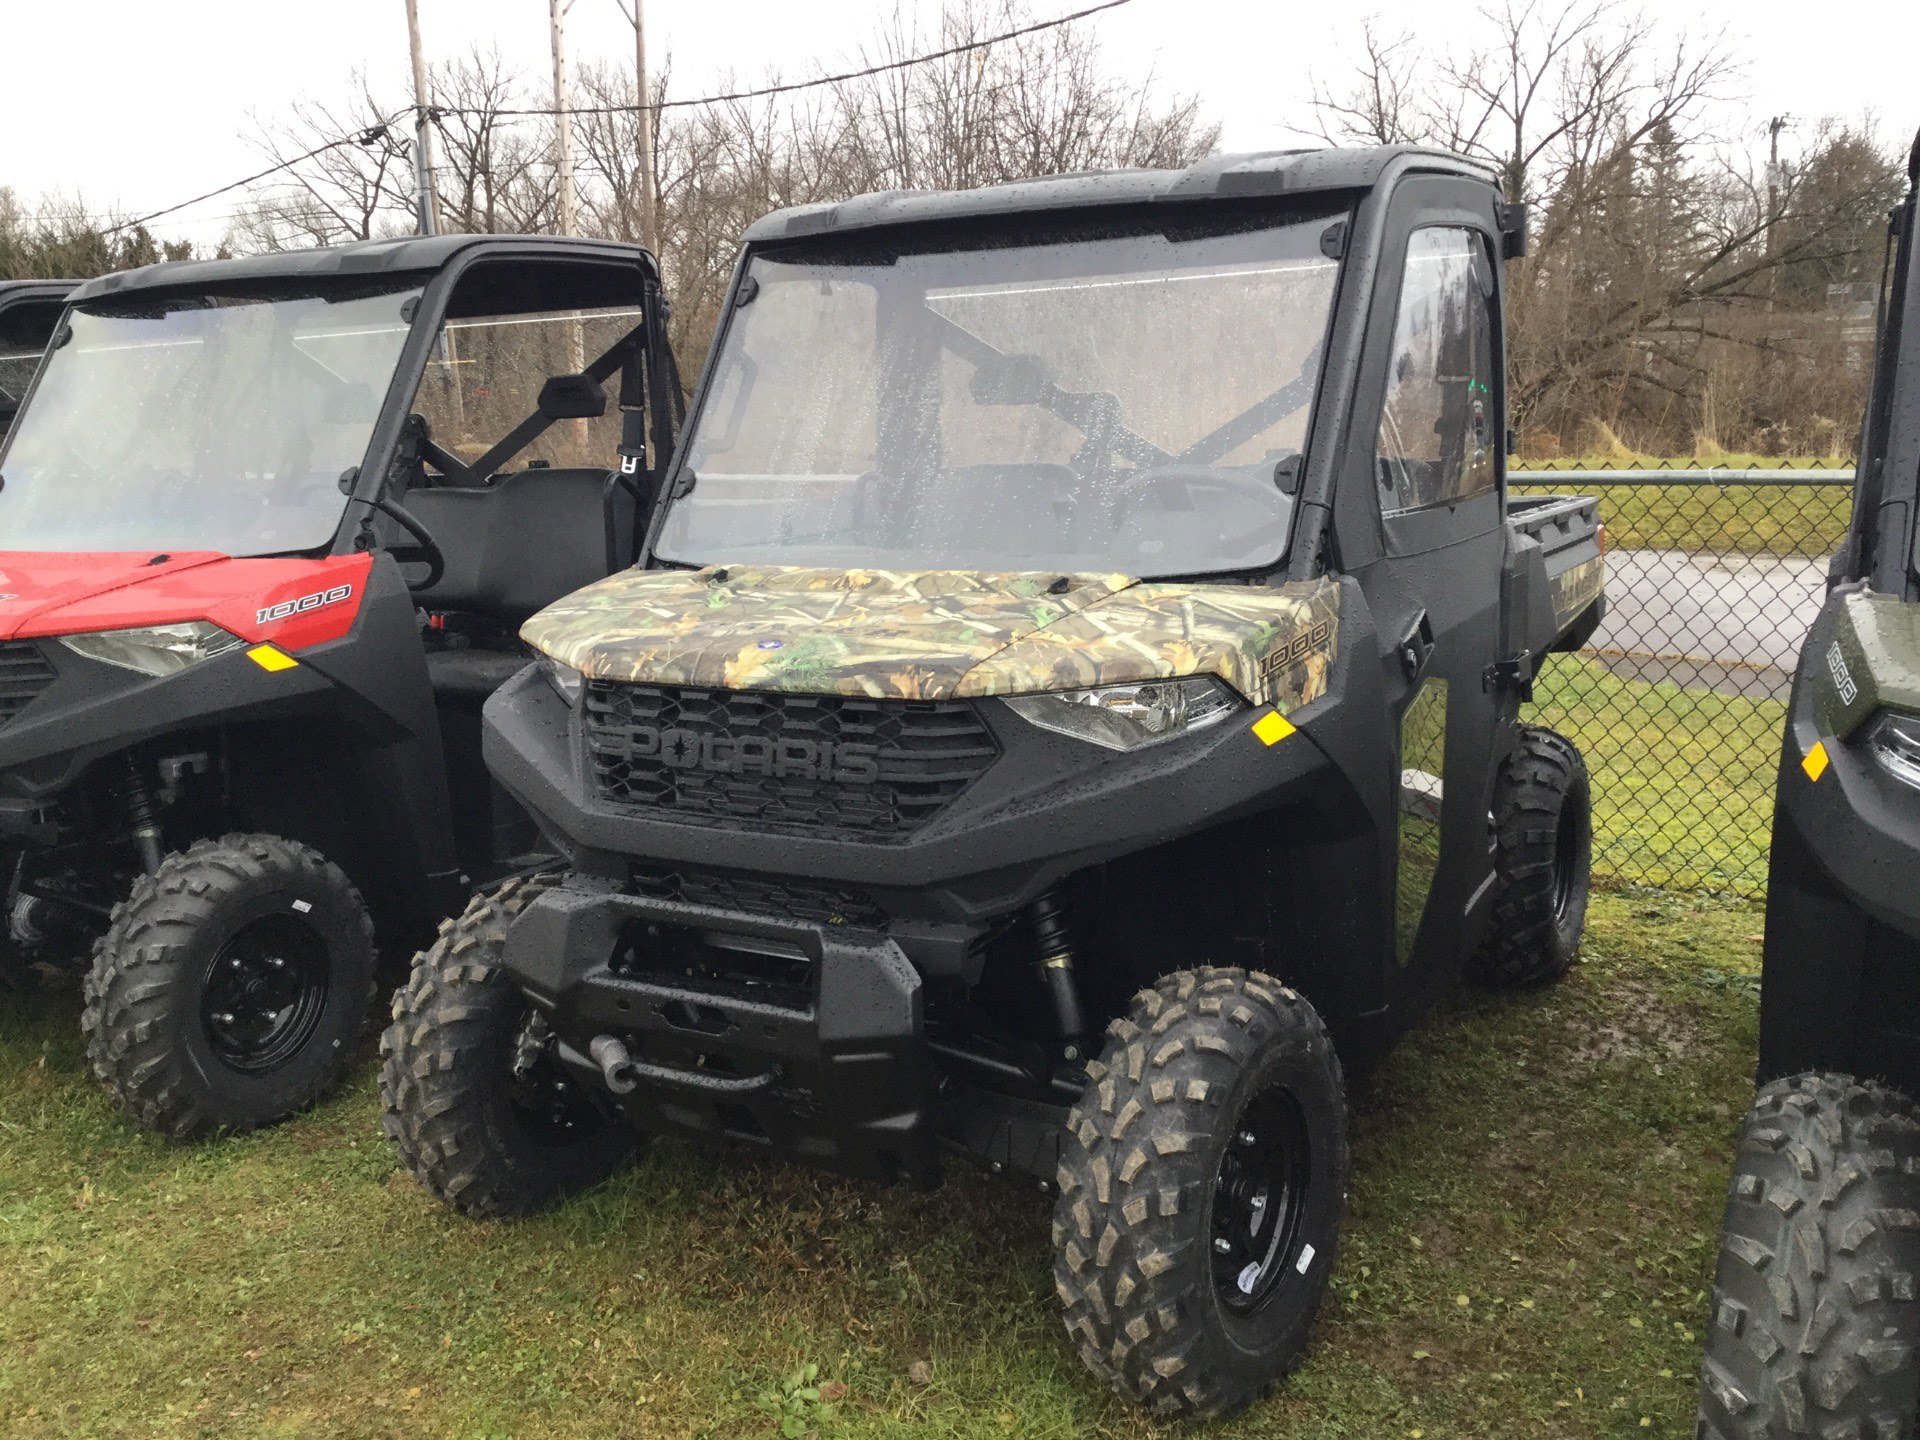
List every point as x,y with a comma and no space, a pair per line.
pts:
1731,623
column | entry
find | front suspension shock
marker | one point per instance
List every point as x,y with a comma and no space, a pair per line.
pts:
143,816
1053,944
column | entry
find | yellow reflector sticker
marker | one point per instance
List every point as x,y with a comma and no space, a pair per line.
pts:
271,658
1272,727
1816,762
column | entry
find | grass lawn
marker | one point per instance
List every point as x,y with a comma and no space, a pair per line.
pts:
1682,778
1538,1183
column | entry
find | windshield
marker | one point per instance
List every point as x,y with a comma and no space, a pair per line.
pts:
1109,402
201,424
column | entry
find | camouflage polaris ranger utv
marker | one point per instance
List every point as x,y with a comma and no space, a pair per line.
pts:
1815,1327
1068,709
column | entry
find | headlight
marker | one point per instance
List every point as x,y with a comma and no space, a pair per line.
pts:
1126,717
1894,741
156,649
564,678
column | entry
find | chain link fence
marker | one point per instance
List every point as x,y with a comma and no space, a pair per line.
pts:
1713,576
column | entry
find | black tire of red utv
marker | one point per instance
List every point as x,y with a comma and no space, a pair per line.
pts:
445,1066
1139,1163
1814,1322
145,1033
1543,858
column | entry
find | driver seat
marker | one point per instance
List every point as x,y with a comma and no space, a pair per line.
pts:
513,548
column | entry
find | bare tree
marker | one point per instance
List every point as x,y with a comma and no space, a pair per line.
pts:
496,171
1654,241
1384,103
346,192
1042,103
1037,104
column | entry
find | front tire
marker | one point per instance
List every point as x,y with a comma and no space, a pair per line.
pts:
481,1113
230,988
1202,1184
1815,1321
1543,862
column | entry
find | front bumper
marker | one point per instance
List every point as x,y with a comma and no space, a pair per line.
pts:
800,1039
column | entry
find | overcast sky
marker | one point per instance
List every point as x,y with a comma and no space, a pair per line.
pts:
136,104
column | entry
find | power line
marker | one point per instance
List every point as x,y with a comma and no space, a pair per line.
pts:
790,86
376,132
364,137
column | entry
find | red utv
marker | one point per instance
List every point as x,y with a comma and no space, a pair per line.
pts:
272,525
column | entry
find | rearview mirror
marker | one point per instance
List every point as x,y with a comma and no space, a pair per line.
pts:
572,397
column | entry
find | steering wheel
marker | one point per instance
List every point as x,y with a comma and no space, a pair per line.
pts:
424,551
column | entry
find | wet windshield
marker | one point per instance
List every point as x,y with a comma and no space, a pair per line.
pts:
200,424
1115,402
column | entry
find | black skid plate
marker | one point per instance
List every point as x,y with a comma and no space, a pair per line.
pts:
802,1039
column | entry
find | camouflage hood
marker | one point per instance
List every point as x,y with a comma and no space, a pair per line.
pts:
937,635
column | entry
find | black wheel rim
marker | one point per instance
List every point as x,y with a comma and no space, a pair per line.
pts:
1566,862
265,994
1259,1201
554,1108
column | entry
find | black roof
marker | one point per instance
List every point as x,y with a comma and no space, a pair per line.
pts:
34,289
412,254
1218,177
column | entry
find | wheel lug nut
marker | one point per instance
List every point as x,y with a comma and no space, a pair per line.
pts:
1246,1137
1258,1202
1222,1244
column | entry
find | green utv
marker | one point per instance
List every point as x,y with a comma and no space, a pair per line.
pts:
1067,710
1815,1313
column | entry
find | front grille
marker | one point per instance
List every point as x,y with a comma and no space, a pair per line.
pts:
832,764
758,895
24,673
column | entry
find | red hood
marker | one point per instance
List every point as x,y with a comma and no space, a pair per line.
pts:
34,586
45,593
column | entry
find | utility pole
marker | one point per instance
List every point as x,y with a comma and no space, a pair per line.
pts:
649,232
563,169
1774,127
1774,178
562,122
422,131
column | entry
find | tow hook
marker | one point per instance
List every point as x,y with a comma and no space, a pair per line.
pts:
616,1064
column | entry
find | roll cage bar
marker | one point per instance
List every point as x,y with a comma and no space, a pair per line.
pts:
650,397
1880,536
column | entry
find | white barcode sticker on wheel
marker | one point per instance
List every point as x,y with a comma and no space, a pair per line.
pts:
1247,1277
1306,1259
303,906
